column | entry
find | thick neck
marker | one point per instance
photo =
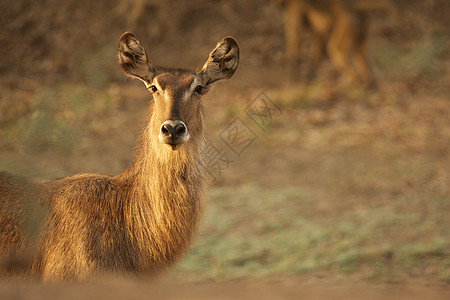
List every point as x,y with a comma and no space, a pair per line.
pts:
166,197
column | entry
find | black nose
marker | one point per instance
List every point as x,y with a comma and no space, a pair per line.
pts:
173,131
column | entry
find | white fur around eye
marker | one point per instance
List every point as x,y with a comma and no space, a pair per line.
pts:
191,90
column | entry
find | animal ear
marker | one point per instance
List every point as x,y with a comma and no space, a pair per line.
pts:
222,61
134,60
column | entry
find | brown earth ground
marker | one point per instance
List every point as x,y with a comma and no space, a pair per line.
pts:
305,288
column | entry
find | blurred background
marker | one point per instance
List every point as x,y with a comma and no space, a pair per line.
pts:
344,185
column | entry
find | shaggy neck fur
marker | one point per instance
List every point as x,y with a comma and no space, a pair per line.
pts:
167,191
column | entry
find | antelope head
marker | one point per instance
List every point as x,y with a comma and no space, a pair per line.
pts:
176,112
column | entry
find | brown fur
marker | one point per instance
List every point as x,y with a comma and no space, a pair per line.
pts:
339,27
140,221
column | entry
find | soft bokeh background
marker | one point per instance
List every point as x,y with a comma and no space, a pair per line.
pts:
346,187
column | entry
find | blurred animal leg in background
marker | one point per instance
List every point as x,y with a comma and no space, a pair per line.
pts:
339,28
360,52
292,29
319,24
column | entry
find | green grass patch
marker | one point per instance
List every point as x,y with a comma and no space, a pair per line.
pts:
421,58
54,117
252,231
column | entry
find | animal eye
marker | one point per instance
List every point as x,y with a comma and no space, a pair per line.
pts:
152,89
199,89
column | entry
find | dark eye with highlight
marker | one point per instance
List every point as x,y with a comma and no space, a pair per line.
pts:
199,89
153,89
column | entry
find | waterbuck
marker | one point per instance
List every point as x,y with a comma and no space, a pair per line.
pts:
339,28
140,221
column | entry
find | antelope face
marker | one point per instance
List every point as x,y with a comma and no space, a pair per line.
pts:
177,110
